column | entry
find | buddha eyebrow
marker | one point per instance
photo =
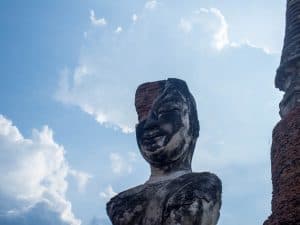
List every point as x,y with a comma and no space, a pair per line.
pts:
168,105
168,100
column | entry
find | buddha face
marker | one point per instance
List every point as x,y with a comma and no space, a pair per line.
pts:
163,136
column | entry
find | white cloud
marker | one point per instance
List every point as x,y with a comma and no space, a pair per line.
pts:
40,213
121,164
95,21
134,18
221,36
79,74
248,43
71,86
109,69
82,178
132,156
9,131
118,30
108,193
33,171
185,25
203,10
151,4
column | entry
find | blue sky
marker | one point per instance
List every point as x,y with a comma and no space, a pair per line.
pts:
69,70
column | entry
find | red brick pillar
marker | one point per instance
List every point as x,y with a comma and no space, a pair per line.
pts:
285,159
285,152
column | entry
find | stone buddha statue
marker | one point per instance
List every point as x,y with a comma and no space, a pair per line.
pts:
166,135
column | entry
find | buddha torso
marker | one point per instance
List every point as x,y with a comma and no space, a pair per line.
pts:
193,198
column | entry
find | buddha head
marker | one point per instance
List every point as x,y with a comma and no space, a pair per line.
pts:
168,123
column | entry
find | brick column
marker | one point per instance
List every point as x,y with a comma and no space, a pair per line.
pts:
285,151
285,159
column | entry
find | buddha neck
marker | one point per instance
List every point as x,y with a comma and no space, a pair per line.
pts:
158,174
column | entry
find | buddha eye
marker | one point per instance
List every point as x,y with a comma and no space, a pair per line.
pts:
167,111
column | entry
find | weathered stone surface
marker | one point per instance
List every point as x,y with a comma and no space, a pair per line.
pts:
291,48
183,200
285,158
166,135
288,74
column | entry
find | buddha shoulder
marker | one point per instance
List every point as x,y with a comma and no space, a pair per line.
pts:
117,202
205,185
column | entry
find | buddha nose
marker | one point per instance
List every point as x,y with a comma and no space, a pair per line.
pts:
151,122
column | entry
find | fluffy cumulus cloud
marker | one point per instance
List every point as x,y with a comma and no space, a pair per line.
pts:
118,30
95,21
151,4
121,164
232,81
82,178
162,44
96,83
134,17
185,25
39,213
221,36
214,21
108,193
33,178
